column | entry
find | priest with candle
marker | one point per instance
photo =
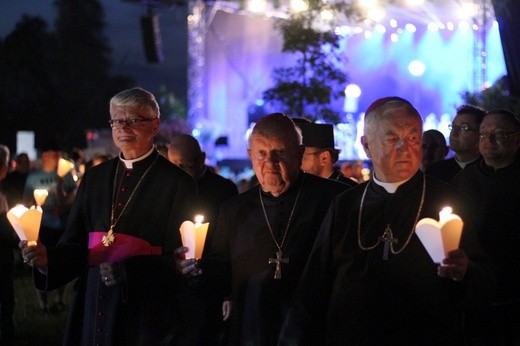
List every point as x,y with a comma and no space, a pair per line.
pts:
203,308
118,243
369,279
264,235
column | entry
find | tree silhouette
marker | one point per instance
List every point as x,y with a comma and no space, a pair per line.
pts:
57,84
310,87
28,91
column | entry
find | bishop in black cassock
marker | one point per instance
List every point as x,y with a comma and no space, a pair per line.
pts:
369,279
350,295
243,242
264,235
120,237
141,309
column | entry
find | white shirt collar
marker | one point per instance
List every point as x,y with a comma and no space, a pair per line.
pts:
129,164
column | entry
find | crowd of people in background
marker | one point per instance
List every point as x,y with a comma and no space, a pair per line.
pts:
308,251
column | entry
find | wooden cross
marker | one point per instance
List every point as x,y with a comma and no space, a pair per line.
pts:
388,239
278,260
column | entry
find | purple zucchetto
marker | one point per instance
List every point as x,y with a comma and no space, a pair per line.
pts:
382,101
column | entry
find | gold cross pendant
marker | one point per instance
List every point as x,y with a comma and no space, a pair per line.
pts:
109,238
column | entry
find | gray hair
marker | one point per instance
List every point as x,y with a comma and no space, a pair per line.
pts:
373,117
137,97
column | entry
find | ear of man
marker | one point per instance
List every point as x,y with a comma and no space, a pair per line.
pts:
364,143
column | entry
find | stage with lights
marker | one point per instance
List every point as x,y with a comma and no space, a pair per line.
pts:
429,63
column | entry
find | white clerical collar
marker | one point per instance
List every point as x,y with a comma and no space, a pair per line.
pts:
389,187
129,164
463,165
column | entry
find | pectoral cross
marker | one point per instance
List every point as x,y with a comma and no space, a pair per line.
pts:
278,260
388,239
109,238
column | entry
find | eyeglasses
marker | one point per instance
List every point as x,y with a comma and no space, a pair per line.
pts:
132,122
496,135
464,128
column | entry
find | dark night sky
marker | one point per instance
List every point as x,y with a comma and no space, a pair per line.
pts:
124,34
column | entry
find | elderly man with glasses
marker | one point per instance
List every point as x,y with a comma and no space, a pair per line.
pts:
464,141
120,236
494,186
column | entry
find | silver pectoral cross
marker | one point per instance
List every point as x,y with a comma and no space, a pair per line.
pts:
388,239
278,260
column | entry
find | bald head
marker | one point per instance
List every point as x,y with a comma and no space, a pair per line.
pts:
184,151
434,147
278,125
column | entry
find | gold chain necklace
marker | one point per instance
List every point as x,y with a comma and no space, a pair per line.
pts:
388,237
109,238
279,259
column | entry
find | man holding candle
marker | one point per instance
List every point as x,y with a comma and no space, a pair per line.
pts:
493,186
119,241
265,234
369,279
204,310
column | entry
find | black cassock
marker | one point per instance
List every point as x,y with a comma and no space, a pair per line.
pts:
352,296
142,310
244,243
203,309
446,170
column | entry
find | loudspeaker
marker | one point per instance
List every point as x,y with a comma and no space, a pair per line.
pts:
151,38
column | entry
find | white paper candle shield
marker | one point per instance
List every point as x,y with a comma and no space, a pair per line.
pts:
40,195
26,222
440,237
64,167
193,237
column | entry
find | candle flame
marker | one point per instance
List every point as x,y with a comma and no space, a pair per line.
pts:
445,212
199,218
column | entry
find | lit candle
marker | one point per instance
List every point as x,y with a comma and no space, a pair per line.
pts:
40,195
440,237
194,236
64,167
26,222
451,229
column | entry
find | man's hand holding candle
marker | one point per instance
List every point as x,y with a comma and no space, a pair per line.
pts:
188,267
34,255
454,266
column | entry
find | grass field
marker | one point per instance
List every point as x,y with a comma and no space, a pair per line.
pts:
32,326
